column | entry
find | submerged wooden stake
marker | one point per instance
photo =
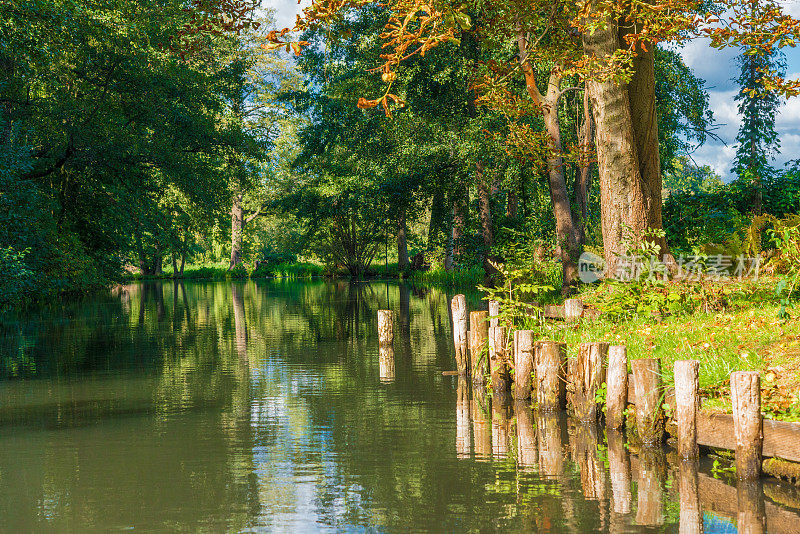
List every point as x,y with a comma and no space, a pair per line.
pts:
550,380
385,327
459,308
587,378
747,423
616,386
687,402
479,326
523,364
649,415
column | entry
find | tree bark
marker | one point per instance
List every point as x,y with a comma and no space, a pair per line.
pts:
627,147
402,242
484,200
583,181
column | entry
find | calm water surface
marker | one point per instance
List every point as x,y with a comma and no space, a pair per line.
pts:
249,407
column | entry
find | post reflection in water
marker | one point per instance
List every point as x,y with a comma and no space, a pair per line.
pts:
551,455
691,515
751,517
386,363
619,466
649,505
463,441
584,443
501,430
255,407
527,450
482,425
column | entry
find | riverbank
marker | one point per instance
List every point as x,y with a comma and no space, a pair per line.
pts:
736,326
307,271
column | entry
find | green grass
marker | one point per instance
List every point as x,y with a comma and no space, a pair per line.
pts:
746,335
455,278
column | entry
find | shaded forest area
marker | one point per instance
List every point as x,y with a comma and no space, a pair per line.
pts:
165,140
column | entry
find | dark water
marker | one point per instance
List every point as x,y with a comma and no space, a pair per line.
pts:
216,407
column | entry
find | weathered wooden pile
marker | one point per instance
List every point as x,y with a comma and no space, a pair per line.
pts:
520,367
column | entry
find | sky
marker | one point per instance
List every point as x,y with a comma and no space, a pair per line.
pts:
717,68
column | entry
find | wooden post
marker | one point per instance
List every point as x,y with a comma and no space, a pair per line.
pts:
573,309
494,311
523,364
616,386
747,423
479,326
386,327
459,308
550,380
501,377
586,379
687,402
649,415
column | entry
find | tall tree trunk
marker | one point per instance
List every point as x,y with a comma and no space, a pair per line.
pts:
622,196
158,261
402,243
583,181
183,262
485,203
548,102
237,227
642,98
174,265
565,229
627,148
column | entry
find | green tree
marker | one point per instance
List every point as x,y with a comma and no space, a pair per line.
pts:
757,141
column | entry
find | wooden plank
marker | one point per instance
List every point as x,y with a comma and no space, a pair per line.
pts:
781,438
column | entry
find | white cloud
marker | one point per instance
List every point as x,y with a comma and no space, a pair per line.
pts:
716,67
286,11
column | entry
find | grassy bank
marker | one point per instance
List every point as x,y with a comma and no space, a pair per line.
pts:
752,331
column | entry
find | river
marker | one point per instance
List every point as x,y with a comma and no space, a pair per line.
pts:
264,407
